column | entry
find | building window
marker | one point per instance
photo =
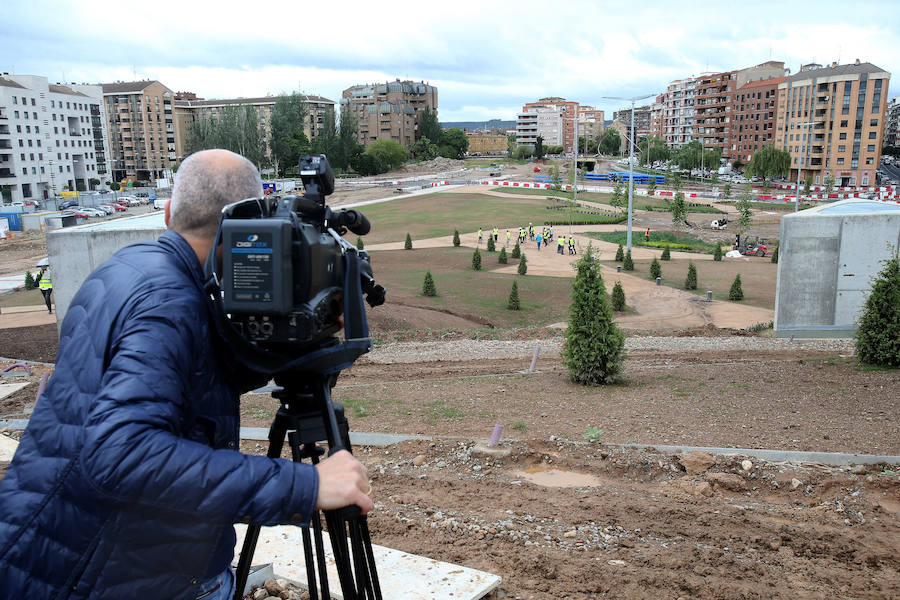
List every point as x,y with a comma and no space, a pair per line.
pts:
873,135
870,160
840,161
870,148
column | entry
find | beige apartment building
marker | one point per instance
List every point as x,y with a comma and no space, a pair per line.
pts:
487,142
389,110
141,129
831,120
189,109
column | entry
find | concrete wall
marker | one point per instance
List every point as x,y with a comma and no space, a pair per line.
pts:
75,252
827,259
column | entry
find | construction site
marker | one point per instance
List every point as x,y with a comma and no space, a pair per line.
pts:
730,460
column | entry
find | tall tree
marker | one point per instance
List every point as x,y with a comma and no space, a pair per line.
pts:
594,347
610,141
539,147
287,139
653,149
768,163
745,214
429,128
454,143
325,141
348,150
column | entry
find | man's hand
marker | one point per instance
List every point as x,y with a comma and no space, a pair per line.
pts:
343,481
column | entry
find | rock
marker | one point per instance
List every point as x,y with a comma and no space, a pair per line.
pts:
703,489
260,594
729,481
775,544
441,464
570,534
795,483
697,462
746,465
419,460
617,563
858,469
484,451
271,586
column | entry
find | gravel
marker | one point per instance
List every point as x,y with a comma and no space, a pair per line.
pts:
463,350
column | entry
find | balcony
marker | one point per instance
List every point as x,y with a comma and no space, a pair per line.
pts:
6,174
5,145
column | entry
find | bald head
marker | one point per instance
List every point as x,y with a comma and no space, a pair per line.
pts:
205,182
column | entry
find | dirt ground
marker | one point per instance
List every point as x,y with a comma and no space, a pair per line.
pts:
562,509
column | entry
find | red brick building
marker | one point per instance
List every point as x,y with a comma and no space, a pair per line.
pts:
755,106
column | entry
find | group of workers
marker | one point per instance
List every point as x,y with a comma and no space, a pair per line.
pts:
542,237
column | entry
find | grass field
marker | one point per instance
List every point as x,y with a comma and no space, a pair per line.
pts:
660,204
676,240
589,196
469,293
22,298
757,278
435,215
785,206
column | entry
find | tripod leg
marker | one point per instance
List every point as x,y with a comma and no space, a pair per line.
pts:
370,557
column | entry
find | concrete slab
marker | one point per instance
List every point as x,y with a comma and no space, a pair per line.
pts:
7,448
402,576
10,388
9,283
356,438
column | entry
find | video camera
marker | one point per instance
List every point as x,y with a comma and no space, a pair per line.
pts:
287,276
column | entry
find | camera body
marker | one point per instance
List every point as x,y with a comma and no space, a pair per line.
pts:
285,266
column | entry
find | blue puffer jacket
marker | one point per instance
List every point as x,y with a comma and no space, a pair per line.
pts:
127,480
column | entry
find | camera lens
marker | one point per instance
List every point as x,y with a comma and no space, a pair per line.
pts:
253,327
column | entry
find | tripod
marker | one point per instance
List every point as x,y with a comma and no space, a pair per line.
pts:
307,415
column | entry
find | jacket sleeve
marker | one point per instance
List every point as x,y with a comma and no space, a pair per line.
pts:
132,452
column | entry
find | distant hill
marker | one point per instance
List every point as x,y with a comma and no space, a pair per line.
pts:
492,124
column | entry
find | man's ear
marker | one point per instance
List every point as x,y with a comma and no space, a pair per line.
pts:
166,211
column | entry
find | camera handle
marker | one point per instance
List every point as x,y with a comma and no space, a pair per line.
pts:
307,415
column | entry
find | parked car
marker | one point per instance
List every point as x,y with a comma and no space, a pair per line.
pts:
93,212
116,207
67,204
159,203
76,212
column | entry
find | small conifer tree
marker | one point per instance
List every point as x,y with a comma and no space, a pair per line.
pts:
618,297
878,336
627,263
666,255
523,266
655,269
516,251
503,258
690,282
456,241
775,255
408,244
736,292
490,244
428,288
29,281
620,254
476,260
513,302
359,244
718,254
594,347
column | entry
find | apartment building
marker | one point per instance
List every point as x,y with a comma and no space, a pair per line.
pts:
713,94
141,129
389,110
642,119
831,120
591,122
892,123
188,109
554,122
657,128
52,138
679,112
754,118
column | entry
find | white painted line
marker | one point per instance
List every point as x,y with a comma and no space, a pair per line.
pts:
402,576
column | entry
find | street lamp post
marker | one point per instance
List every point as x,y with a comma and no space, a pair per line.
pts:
630,160
808,124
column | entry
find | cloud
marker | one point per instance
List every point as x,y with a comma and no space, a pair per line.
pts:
487,58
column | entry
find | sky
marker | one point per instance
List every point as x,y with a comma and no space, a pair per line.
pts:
486,58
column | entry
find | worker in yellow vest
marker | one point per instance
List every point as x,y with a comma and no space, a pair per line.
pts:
45,283
507,237
496,233
560,244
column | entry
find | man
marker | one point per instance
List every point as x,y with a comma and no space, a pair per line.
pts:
127,480
45,283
